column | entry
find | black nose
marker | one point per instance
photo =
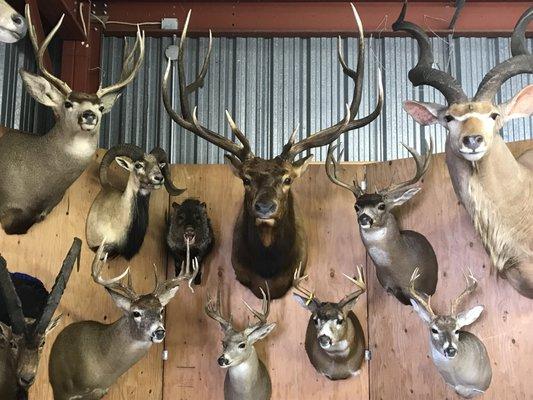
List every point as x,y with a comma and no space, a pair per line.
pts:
26,381
324,340
265,208
158,178
222,361
17,19
190,231
159,334
473,141
365,220
450,352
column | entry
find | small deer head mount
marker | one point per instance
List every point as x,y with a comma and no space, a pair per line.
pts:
372,209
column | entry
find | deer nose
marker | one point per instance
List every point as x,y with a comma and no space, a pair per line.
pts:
324,341
365,220
473,141
222,361
450,352
88,116
159,334
265,208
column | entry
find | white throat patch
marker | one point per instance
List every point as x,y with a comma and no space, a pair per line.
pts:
81,147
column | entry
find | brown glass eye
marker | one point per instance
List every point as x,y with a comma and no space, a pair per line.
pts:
287,181
494,116
449,118
381,207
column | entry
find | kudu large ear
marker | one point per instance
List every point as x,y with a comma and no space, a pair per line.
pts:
421,311
261,332
423,113
311,305
520,105
299,166
42,90
466,318
397,198
234,163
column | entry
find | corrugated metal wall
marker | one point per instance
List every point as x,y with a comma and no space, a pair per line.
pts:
17,109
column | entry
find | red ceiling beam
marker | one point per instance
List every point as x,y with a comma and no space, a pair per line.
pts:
311,18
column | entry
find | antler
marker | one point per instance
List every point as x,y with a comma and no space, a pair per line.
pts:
113,284
186,274
129,68
40,50
471,285
12,300
423,73
297,284
213,310
359,282
521,62
331,171
426,304
348,123
60,284
189,120
422,165
265,309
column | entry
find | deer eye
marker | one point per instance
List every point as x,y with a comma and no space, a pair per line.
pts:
494,116
381,207
242,345
246,181
136,314
68,104
449,118
287,181
101,108
315,320
340,321
433,330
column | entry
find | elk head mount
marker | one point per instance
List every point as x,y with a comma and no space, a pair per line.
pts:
45,166
88,357
460,356
247,377
121,216
12,25
493,186
268,241
394,252
334,340
22,342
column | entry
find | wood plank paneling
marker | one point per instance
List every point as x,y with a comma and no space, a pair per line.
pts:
40,253
334,247
400,340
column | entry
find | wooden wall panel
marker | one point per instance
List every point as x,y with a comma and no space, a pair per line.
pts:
194,340
41,252
400,340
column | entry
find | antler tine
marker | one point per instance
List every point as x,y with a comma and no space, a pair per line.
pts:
113,284
471,285
415,295
11,300
128,72
297,283
422,165
520,62
360,281
188,120
213,310
331,171
40,50
262,316
348,123
424,73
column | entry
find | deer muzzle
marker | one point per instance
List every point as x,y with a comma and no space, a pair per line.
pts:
222,361
450,352
324,341
158,335
88,120
365,221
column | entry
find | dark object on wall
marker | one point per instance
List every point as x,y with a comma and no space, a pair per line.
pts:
246,376
268,240
71,143
492,185
22,340
334,340
83,348
120,217
189,235
460,356
32,295
394,252
13,26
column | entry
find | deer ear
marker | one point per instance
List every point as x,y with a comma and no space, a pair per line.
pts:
300,165
108,101
42,90
399,197
305,303
121,301
469,317
520,105
261,332
423,113
234,163
421,311
168,294
348,303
